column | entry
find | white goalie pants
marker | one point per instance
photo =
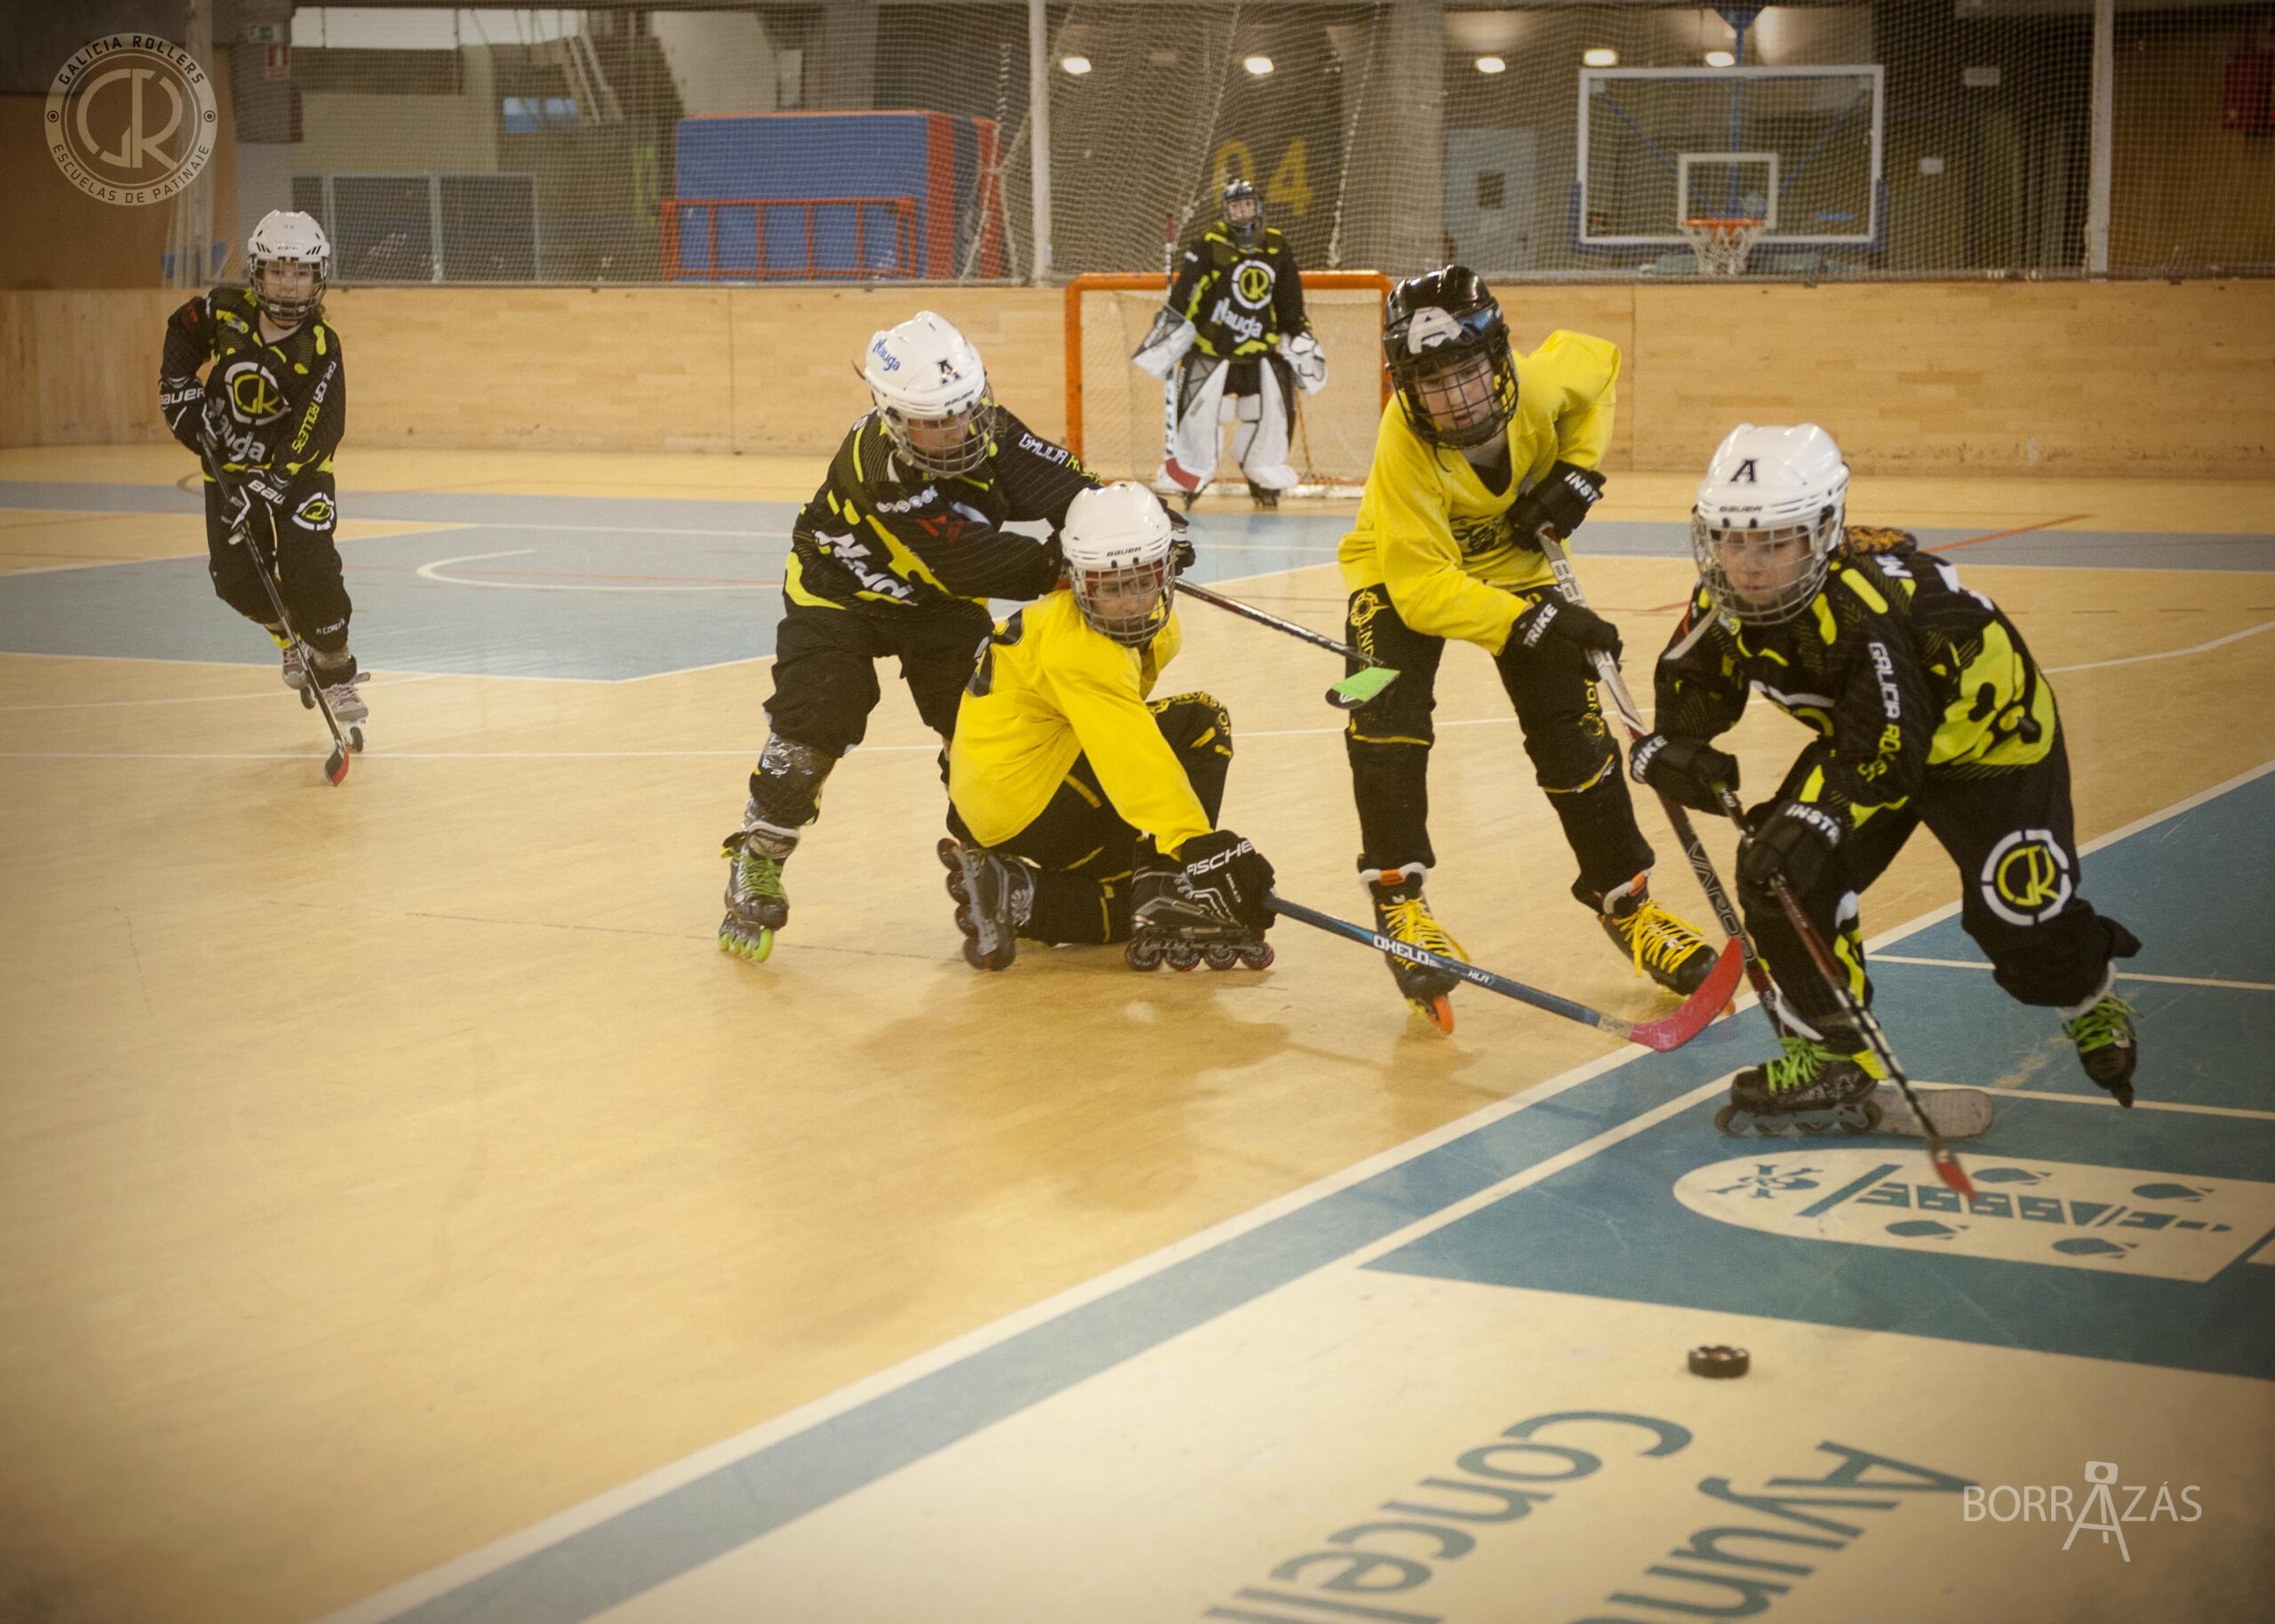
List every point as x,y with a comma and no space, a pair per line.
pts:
1198,402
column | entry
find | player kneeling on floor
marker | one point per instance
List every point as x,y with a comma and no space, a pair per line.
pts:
1928,708
1081,809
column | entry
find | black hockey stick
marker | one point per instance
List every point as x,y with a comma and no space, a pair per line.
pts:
335,766
1670,1031
1348,695
1947,1168
1725,914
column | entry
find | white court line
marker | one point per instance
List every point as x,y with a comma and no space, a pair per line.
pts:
2138,1104
2173,981
278,692
500,1553
434,572
2169,654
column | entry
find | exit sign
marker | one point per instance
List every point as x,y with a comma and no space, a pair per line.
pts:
263,33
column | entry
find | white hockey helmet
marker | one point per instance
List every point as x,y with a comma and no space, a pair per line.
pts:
1118,540
1768,492
286,237
931,391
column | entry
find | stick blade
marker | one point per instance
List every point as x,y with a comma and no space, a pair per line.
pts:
335,767
1360,686
1947,1168
1700,1008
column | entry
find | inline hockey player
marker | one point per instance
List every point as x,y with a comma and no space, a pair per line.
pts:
1233,344
1480,452
897,555
1083,810
1928,709
270,410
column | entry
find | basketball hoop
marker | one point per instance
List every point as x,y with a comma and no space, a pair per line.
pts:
1722,244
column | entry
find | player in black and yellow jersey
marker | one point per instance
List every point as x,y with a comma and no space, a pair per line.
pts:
1233,341
896,555
1083,808
271,409
1928,709
1481,451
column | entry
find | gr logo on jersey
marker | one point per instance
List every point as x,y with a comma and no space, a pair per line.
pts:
316,513
256,395
2026,879
1252,282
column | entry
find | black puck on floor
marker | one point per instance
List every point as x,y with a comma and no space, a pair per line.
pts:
1720,1361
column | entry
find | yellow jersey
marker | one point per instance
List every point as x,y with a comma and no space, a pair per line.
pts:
1050,688
1431,532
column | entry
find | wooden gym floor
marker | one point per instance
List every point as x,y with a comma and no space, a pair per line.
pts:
394,1176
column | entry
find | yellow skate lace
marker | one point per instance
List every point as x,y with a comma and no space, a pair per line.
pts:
1658,938
1410,920
1803,1058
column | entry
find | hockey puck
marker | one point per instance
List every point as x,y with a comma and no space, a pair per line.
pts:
1719,1362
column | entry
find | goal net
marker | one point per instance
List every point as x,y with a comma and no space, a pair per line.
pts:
1114,410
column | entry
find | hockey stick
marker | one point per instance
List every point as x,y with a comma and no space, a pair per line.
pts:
1667,1032
1725,914
335,766
1828,968
1348,695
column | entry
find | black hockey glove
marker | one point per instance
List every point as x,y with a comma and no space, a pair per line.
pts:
1181,553
1559,503
1789,840
1686,770
1565,635
1226,875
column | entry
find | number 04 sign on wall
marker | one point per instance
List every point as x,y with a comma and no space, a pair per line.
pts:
1288,193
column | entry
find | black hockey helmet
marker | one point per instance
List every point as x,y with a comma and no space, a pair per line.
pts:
1447,351
1243,212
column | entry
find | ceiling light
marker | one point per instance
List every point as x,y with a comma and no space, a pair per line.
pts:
1720,59
1076,65
1600,56
1491,64
1259,65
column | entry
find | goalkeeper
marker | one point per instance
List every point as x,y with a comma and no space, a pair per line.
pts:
1233,345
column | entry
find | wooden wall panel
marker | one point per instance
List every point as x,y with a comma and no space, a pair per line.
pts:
2072,378
2069,377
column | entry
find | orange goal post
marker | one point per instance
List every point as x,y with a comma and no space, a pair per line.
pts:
1114,410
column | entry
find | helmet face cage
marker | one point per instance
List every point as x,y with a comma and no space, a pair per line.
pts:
289,312
1243,212
1470,379
1714,540
946,452
1126,603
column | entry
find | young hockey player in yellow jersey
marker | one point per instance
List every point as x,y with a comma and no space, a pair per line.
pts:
1928,709
1480,452
1083,810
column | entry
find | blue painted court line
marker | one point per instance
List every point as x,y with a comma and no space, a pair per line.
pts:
1559,1235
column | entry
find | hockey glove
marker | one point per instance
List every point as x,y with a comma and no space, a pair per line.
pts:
1686,770
1227,877
1790,840
1181,553
1307,360
1165,345
1558,504
1567,635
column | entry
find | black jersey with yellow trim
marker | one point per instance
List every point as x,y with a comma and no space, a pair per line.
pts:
286,399
1900,669
882,533
1239,300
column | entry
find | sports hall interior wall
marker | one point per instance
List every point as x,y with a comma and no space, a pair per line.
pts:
2072,377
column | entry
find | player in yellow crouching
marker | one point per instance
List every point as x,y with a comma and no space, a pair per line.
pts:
1083,809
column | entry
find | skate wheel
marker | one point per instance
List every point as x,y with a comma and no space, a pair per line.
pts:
1142,956
752,949
1438,1011
355,740
1183,956
1257,958
1860,1118
999,960
1220,957
307,700
1726,1121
